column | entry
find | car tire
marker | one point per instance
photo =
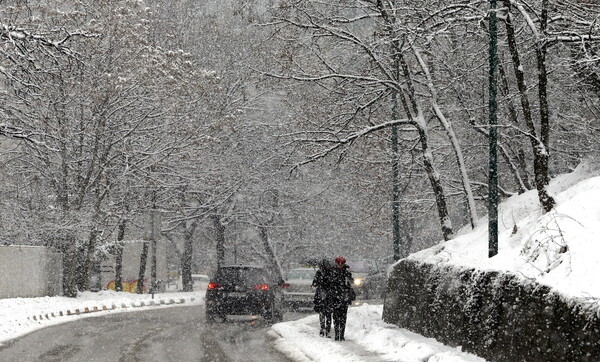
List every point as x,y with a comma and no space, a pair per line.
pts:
278,315
273,314
210,319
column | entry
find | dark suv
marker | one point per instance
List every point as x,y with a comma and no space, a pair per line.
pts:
243,290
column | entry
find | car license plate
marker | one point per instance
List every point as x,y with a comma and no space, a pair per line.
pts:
236,294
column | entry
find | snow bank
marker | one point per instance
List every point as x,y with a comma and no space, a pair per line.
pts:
19,316
368,338
559,249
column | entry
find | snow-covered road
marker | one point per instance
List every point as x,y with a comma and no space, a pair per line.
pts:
171,327
167,334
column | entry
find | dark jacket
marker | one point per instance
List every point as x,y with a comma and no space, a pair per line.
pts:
323,282
342,293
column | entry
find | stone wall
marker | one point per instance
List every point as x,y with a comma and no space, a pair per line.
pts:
498,316
29,271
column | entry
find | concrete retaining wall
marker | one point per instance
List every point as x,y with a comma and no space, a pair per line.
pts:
29,271
498,316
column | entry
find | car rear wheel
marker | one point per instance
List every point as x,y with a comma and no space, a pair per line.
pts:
273,314
212,318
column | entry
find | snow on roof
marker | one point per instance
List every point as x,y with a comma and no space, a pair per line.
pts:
560,249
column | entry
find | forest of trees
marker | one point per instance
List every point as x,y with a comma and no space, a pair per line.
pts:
273,131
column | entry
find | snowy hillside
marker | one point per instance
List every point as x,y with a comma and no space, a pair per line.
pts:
560,249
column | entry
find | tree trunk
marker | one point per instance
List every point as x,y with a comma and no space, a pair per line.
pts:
219,238
69,268
275,267
522,182
142,272
186,258
415,114
434,179
119,256
88,260
462,168
540,151
542,178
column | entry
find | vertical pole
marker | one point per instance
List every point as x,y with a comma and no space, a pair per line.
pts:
398,252
153,241
395,182
493,136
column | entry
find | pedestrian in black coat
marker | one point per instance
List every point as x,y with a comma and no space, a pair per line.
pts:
323,283
342,296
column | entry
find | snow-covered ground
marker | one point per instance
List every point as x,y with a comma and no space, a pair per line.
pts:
19,316
559,249
368,338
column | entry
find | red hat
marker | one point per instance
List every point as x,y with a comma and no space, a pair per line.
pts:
340,260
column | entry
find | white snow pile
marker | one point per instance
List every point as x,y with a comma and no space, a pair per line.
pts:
19,316
560,249
368,338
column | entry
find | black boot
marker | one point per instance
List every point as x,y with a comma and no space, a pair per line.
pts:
321,333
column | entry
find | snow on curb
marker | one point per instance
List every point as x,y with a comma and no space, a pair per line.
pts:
19,316
104,307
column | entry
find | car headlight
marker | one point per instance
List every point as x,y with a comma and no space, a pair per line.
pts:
358,282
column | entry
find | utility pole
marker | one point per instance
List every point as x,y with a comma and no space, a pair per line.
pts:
398,252
493,136
395,182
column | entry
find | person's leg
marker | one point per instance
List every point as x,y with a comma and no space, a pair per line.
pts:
322,322
343,317
328,316
336,323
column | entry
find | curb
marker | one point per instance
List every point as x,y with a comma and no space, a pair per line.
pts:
107,307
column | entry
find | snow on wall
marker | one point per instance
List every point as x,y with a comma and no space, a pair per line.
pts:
495,315
538,299
559,249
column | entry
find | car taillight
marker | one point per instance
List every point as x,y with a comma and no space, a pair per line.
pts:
261,287
213,286
284,285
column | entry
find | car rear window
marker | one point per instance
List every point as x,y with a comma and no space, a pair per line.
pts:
241,276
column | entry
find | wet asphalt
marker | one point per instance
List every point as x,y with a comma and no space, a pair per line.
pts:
166,334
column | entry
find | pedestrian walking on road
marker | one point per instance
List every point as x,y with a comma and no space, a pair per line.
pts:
342,296
323,282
